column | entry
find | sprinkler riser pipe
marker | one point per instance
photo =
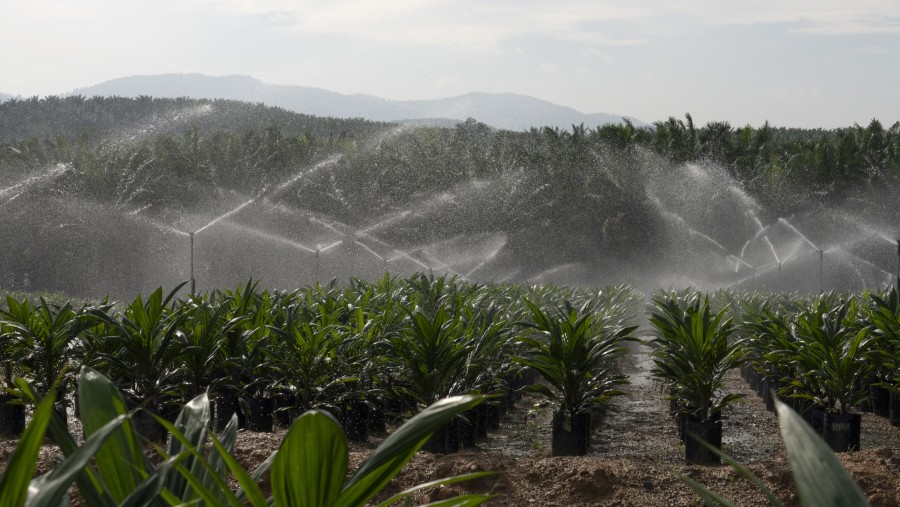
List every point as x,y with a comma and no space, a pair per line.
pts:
193,282
821,270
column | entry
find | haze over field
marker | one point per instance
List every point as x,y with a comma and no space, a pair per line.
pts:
806,63
783,174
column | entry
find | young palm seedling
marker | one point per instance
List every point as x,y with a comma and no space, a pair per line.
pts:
833,358
692,353
574,352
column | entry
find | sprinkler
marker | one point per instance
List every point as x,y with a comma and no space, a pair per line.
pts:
193,282
897,288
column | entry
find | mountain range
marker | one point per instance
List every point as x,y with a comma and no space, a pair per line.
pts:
500,110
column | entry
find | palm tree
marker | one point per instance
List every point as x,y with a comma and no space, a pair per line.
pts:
47,336
205,327
150,344
692,353
574,351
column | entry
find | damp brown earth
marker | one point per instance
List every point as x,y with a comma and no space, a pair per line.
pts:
636,456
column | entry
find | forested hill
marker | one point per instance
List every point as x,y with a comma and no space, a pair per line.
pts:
117,179
500,110
100,117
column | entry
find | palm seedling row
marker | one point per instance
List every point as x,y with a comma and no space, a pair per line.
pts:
336,363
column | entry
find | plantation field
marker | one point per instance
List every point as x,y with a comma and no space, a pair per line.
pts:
636,460
592,397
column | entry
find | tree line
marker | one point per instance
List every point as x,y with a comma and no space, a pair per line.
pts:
584,187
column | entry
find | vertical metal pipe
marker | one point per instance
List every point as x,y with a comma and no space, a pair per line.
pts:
897,288
821,263
317,266
193,282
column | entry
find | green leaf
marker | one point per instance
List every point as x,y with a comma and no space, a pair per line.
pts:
148,490
460,501
89,485
311,463
121,459
204,479
49,489
709,497
820,478
741,469
396,450
192,423
20,470
433,484
248,485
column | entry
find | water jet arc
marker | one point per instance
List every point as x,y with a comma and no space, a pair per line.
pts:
745,263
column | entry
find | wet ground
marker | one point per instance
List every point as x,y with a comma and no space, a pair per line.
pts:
636,457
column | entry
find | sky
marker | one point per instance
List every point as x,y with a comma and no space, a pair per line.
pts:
793,63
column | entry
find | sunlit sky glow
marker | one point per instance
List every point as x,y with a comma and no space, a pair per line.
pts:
803,63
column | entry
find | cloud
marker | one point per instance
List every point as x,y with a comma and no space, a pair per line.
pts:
549,67
479,23
820,17
874,50
472,23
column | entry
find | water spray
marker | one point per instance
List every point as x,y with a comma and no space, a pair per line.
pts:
223,216
745,263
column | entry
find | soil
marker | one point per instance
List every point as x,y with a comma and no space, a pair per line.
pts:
636,456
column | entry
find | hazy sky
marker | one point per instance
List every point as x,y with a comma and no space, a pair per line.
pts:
806,63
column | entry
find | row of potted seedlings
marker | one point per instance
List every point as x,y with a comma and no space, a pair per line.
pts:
371,353
692,352
262,355
826,356
882,315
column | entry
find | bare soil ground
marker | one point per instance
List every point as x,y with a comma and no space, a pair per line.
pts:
636,456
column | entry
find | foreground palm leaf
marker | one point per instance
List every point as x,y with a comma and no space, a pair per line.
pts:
309,468
820,479
14,481
311,464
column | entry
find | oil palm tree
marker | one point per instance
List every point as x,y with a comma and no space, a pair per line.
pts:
574,352
833,356
47,336
149,344
692,353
